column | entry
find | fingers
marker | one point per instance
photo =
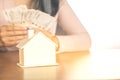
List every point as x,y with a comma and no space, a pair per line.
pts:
13,40
13,30
11,35
11,43
15,33
13,27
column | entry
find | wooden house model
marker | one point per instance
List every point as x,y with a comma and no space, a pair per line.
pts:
37,50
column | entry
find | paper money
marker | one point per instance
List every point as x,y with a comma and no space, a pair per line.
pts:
22,15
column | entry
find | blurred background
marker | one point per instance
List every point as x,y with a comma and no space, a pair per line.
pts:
101,18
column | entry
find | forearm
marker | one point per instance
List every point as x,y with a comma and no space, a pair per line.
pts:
74,42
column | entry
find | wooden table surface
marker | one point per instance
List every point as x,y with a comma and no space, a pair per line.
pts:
93,64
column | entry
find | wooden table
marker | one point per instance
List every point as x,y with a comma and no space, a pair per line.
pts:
93,64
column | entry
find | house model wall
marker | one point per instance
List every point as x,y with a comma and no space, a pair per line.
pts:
38,50
40,73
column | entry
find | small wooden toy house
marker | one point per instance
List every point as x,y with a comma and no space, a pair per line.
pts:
37,50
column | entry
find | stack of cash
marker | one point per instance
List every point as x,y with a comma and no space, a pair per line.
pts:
22,15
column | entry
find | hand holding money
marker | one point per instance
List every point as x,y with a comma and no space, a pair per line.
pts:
21,19
28,17
10,35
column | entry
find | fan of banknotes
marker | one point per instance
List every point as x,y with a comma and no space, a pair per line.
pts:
22,15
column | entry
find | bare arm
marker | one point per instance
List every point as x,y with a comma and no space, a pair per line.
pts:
77,37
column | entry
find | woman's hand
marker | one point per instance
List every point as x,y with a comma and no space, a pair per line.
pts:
11,35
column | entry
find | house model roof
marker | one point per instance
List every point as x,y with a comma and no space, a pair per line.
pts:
27,40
